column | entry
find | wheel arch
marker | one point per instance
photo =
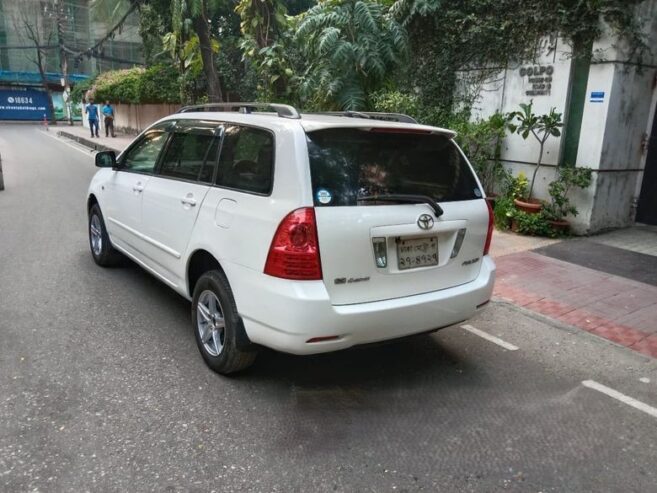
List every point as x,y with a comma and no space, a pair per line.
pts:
91,201
200,262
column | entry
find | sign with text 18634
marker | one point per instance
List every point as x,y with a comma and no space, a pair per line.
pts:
540,78
23,104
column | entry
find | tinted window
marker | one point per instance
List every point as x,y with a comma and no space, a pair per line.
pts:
246,160
346,164
185,155
143,156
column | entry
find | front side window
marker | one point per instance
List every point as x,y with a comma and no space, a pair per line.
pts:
185,155
347,164
143,156
247,160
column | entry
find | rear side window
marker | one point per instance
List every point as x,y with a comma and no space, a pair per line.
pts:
247,159
185,155
348,164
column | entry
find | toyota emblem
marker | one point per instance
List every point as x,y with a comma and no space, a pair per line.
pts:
425,221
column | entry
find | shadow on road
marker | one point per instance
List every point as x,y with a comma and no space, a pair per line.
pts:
407,362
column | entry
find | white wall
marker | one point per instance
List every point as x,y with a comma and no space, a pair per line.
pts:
507,89
611,131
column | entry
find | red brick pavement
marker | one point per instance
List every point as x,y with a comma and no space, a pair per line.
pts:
618,309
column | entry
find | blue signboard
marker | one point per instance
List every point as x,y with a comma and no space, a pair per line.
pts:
597,97
23,104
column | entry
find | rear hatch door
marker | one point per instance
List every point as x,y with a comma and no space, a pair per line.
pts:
381,235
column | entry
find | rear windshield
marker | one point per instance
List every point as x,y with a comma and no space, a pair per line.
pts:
347,164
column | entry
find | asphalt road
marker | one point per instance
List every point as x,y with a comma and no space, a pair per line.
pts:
102,387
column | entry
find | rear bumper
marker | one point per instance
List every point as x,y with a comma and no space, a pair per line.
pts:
284,315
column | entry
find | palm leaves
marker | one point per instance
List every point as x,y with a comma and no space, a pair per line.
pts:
350,46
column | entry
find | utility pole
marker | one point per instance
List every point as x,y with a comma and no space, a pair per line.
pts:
63,58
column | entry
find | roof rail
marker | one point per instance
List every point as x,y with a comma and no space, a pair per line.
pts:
388,117
282,110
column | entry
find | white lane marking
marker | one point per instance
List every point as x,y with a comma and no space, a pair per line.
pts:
87,153
488,337
625,399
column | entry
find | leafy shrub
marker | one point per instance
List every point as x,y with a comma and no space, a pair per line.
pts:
560,205
157,84
531,224
395,101
118,86
513,187
481,142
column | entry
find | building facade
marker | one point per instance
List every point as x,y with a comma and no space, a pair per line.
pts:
608,101
88,39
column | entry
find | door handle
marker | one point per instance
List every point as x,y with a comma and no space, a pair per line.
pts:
188,201
138,188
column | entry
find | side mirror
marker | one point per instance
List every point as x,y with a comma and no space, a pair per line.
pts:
106,159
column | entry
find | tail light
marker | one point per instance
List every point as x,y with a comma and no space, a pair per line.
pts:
294,251
491,222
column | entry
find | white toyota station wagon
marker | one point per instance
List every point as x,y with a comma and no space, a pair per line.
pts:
305,233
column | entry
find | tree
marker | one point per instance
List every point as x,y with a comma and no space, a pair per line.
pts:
195,13
350,47
267,42
37,28
541,127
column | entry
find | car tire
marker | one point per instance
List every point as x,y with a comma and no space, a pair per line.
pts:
217,325
102,250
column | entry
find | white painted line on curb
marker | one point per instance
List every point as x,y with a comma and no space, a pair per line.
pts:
87,153
625,399
488,337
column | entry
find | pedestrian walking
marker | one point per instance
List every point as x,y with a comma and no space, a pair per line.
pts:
108,113
92,115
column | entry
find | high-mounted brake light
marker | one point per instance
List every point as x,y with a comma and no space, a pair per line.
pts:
388,130
294,251
489,234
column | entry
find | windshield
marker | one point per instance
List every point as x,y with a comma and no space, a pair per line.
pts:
347,164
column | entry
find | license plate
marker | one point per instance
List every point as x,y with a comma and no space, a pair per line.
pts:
417,252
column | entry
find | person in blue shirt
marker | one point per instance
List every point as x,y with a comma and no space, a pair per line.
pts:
108,113
92,115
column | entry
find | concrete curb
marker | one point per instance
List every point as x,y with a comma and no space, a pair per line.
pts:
87,142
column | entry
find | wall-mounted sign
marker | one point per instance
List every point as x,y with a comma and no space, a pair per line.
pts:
23,104
540,78
598,97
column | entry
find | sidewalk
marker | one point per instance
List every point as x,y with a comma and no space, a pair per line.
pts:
82,135
606,300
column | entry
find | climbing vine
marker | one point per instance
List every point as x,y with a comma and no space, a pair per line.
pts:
449,38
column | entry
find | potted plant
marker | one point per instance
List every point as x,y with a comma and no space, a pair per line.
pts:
541,127
560,206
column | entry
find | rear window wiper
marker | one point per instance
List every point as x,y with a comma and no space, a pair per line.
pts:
402,197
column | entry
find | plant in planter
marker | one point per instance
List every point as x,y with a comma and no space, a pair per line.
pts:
541,127
530,224
512,188
560,206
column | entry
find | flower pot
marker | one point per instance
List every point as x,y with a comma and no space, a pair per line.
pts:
530,206
561,226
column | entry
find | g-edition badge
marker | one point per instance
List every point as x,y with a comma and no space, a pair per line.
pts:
425,221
